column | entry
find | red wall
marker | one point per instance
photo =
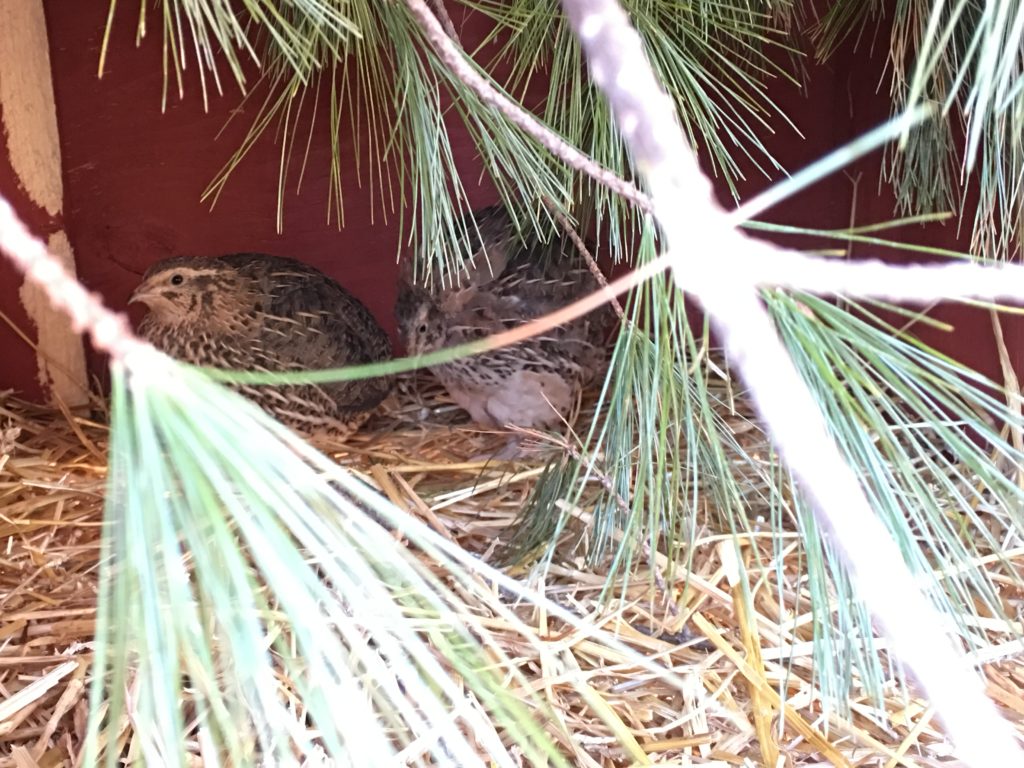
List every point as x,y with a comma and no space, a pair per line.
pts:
133,178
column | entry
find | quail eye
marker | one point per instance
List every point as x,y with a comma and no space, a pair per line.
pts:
422,328
177,279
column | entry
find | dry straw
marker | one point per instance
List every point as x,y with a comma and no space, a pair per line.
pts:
52,478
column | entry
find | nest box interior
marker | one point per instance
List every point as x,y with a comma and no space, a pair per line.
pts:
113,182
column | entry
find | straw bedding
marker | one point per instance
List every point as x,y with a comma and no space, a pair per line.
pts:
420,453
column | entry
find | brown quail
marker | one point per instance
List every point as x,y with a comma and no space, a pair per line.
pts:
534,383
255,312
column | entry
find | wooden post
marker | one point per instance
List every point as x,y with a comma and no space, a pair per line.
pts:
33,159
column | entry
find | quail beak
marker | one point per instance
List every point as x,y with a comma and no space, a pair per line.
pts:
140,294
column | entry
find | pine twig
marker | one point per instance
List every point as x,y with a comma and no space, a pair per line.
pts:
109,331
588,257
647,120
455,59
764,264
441,12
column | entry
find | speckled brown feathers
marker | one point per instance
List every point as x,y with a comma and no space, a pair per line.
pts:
266,313
536,382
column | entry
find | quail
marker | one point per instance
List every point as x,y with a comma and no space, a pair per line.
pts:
250,311
505,283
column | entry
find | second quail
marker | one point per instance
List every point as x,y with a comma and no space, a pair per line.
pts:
536,382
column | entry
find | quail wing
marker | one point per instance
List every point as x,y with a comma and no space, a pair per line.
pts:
312,322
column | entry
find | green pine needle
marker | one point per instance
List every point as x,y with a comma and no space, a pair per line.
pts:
206,592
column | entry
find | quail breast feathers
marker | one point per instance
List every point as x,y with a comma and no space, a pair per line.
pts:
504,284
257,312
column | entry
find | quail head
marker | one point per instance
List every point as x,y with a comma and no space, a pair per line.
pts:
255,312
506,283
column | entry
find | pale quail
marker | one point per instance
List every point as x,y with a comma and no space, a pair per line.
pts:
255,312
534,383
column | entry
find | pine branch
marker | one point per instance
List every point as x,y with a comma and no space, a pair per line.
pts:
916,283
646,118
109,331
